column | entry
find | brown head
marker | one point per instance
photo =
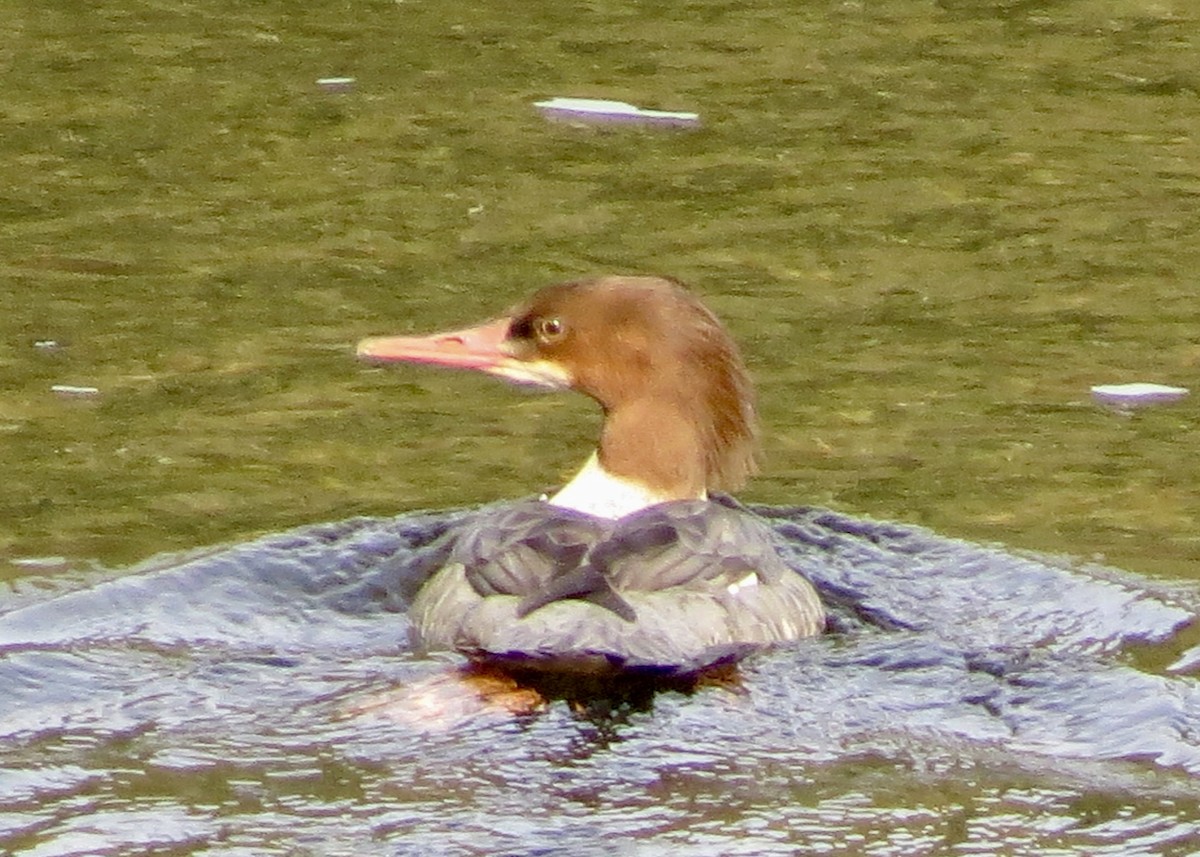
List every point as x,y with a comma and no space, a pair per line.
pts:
678,405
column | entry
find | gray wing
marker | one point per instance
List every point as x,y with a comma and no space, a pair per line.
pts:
675,588
692,544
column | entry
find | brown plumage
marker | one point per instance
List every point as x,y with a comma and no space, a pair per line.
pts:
629,566
678,405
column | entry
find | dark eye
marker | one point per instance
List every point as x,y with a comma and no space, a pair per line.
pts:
549,329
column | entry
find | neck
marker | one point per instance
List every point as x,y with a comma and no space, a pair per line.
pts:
660,443
650,452
596,491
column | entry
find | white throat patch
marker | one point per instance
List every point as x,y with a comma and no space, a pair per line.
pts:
595,491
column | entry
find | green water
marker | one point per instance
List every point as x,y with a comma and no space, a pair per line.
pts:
932,226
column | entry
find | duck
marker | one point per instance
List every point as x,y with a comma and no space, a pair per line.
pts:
641,563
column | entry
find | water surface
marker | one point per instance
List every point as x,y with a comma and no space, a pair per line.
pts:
932,226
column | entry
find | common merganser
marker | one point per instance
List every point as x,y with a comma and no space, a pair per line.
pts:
631,566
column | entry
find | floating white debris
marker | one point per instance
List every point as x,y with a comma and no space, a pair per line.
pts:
74,392
46,345
1137,395
43,562
603,110
336,84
